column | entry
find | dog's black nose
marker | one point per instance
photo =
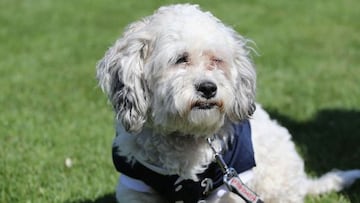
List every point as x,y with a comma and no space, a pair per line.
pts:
206,89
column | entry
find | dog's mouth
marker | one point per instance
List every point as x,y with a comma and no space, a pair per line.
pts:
205,105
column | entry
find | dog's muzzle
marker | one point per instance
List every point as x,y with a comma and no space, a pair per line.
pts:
206,90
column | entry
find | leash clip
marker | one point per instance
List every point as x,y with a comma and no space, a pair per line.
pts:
232,180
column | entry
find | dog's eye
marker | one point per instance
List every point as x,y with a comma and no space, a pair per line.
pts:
217,60
182,59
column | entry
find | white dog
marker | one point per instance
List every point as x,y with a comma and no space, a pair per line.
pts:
177,78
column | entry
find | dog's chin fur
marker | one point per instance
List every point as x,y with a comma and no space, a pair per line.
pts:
152,76
207,122
195,122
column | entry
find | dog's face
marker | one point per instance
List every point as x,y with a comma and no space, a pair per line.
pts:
179,70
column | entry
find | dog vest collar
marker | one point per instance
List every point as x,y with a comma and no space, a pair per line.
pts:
239,156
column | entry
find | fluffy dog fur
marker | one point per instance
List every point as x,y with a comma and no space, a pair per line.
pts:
151,76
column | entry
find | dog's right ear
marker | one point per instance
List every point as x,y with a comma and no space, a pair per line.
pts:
120,75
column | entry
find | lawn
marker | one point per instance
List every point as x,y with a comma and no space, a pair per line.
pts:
51,108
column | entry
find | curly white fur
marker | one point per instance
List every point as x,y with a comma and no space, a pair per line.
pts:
151,76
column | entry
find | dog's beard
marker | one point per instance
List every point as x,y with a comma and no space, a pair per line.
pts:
206,120
195,122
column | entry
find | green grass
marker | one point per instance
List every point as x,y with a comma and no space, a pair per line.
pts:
51,108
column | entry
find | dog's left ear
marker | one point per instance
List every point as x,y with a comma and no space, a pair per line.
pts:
121,76
245,82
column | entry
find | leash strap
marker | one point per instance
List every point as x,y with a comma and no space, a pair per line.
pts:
232,180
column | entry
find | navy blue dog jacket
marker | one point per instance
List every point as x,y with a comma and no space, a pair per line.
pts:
239,156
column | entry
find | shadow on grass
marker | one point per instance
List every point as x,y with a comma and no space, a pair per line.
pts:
330,140
108,198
